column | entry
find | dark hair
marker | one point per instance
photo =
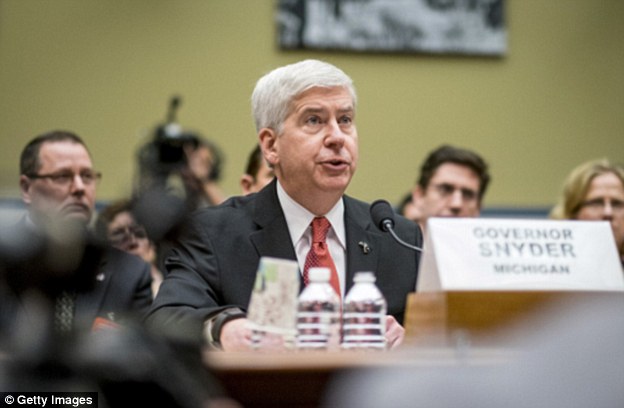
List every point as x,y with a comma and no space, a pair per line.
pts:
254,162
29,159
108,214
405,200
450,154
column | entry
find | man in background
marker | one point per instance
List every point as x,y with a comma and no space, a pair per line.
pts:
407,208
257,173
85,283
452,183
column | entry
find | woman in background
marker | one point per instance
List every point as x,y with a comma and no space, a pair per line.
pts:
595,191
117,225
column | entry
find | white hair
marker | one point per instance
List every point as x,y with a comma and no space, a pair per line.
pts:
274,92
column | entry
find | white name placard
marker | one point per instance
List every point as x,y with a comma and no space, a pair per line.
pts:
503,254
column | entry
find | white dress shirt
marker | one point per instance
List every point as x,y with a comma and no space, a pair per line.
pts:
298,220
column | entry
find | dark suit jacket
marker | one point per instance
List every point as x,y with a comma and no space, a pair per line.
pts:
214,264
122,290
113,284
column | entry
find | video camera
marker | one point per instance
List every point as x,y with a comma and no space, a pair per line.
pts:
170,140
166,153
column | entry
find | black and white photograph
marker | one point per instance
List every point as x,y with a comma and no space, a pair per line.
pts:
471,27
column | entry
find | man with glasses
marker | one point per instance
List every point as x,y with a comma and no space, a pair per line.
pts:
84,283
452,183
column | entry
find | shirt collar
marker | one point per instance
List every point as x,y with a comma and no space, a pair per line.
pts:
298,218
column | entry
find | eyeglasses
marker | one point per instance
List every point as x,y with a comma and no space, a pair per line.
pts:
124,234
599,204
446,190
88,177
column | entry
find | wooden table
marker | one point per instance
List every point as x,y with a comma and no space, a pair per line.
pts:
442,330
300,379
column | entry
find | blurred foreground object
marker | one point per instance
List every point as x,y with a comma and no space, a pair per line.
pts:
570,356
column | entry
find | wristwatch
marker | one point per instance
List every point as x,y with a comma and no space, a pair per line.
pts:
212,326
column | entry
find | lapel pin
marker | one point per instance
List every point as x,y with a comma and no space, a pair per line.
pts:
99,277
365,248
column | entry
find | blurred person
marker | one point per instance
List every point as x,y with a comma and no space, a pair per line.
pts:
305,119
117,225
452,183
87,284
257,173
181,163
594,191
567,355
407,208
178,173
70,307
202,175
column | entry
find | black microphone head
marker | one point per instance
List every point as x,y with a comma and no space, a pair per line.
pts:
174,104
382,214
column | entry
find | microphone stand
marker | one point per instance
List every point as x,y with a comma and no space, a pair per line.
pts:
387,224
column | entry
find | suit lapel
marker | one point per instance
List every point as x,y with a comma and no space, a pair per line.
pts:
272,238
363,248
88,303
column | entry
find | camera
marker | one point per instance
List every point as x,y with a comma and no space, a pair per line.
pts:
170,141
167,152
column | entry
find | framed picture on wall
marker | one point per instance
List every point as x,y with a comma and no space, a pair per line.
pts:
470,27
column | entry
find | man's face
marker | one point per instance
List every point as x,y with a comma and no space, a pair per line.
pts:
453,191
71,197
316,154
250,184
605,201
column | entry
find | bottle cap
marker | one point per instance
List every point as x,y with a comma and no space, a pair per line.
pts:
319,274
364,277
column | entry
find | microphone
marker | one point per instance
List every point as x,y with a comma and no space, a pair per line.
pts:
383,216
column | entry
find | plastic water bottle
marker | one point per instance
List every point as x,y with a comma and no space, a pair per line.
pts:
364,315
318,313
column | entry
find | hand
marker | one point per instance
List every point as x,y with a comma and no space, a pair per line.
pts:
395,333
236,335
199,162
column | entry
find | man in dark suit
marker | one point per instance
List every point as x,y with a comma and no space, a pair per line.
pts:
305,119
85,282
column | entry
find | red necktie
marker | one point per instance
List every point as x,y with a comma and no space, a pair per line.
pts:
319,253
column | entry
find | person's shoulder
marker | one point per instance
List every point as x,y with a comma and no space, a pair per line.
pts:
235,206
356,206
235,203
403,223
238,208
361,210
119,262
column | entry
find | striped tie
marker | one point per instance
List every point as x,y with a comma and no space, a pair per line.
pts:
64,312
319,253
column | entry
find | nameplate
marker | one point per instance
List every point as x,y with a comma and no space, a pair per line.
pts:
503,254
273,303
